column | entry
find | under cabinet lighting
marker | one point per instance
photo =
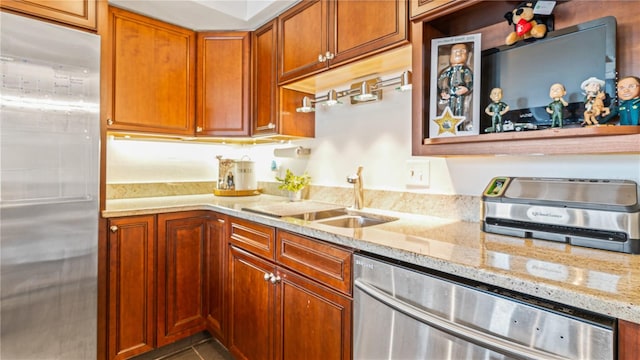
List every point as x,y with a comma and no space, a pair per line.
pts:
332,98
307,106
367,91
361,92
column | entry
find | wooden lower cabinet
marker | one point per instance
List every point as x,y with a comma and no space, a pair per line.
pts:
278,312
628,340
215,276
316,321
131,286
182,240
164,284
252,316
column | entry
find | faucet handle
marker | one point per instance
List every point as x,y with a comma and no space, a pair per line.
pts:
352,179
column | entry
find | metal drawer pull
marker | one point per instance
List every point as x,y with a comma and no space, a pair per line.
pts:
458,330
271,277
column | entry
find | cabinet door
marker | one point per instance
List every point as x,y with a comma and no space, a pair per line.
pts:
316,322
131,291
80,13
252,320
360,28
181,248
153,75
302,38
264,97
214,285
223,84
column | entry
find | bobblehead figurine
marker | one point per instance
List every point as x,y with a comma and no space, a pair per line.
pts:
628,101
455,82
555,108
496,109
594,101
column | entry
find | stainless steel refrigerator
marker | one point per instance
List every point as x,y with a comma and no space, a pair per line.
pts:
49,167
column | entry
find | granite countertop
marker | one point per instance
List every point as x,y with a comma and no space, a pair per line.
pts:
601,281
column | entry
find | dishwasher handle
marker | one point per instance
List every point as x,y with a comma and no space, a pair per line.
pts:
458,330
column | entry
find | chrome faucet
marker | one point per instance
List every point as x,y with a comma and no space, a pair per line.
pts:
358,193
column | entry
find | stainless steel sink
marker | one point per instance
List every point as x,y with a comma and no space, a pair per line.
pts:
345,218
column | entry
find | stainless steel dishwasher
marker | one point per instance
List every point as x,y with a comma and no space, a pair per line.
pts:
402,313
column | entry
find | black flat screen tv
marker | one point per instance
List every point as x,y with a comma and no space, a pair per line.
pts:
525,72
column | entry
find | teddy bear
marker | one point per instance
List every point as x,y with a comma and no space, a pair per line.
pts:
527,25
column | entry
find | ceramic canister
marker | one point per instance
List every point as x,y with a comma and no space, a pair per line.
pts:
245,175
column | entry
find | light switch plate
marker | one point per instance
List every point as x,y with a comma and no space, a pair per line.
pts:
417,173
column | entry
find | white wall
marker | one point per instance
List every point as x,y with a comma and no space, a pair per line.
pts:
376,136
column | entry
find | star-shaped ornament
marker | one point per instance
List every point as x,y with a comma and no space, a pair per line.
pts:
447,122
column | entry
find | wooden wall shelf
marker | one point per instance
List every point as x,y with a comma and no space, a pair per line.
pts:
485,17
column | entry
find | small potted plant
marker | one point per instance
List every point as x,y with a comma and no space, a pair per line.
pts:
294,184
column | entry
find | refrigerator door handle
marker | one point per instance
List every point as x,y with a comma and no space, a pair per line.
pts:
458,330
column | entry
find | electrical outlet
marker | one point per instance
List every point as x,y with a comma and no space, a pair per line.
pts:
417,173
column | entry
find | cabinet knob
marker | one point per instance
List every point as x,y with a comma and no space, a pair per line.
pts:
321,58
113,228
267,277
329,55
199,129
109,122
271,125
275,279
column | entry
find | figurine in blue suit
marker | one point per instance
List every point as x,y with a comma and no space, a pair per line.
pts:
628,108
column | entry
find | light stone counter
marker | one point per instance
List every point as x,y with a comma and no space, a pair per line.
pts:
601,281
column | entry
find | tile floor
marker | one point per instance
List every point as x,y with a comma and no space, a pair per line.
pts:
198,347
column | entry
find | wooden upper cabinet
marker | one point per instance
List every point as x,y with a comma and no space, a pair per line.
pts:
264,98
152,75
80,13
302,38
223,96
318,34
364,27
274,109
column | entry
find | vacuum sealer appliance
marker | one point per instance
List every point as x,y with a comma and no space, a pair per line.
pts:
596,213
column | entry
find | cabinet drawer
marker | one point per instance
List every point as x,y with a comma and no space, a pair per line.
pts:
328,264
255,238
